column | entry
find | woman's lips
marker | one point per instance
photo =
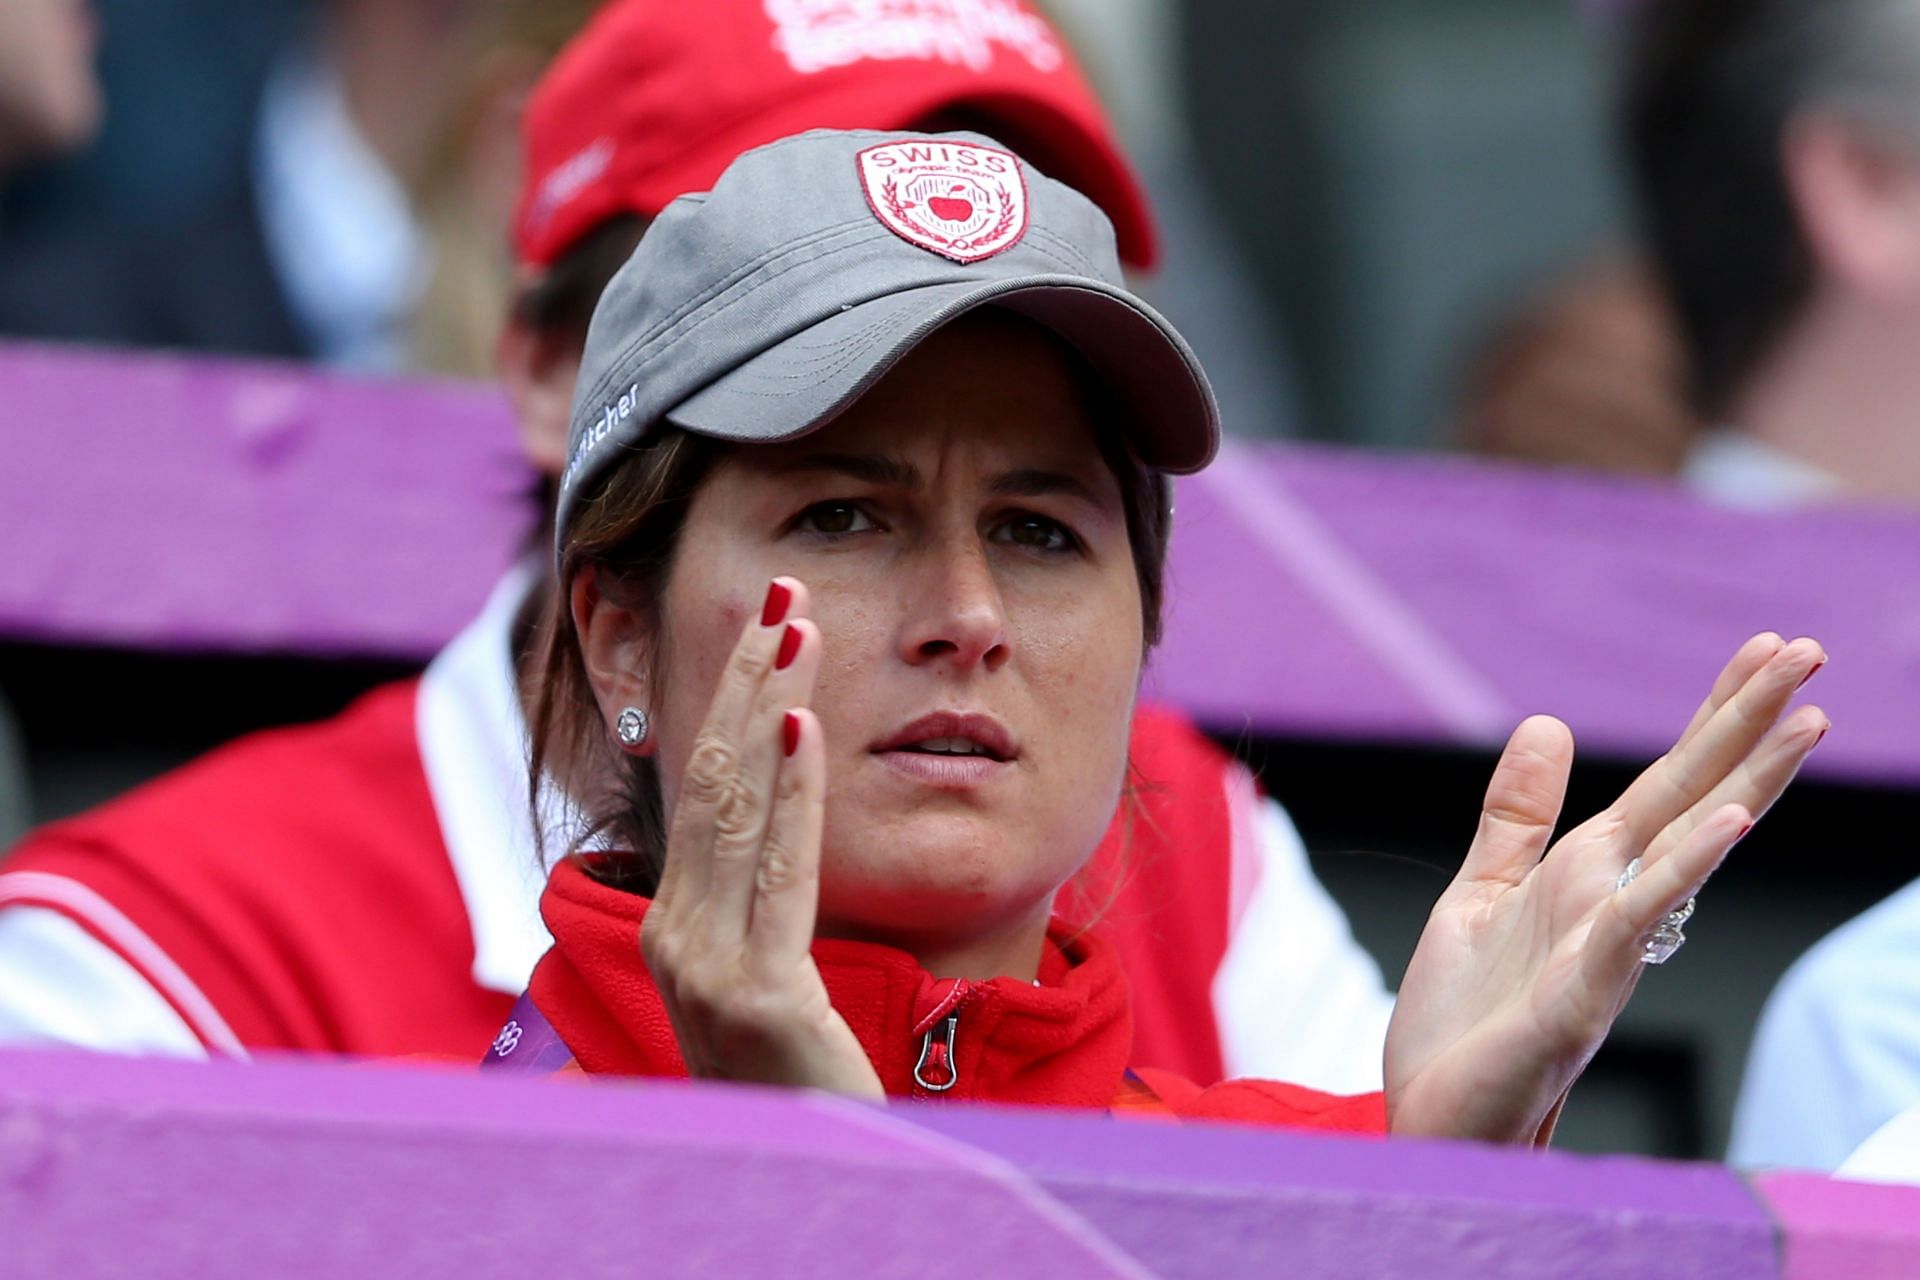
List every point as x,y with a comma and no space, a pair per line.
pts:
905,750
950,772
987,732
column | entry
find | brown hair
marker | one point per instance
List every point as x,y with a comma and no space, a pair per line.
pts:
627,528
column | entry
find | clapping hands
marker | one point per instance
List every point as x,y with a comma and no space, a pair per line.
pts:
1532,951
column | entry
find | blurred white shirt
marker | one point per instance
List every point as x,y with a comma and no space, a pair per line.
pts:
1837,1052
1732,468
339,229
1892,1154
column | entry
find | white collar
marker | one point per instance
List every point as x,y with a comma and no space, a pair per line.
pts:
1735,470
339,228
474,745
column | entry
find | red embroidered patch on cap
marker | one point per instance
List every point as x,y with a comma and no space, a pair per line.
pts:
960,201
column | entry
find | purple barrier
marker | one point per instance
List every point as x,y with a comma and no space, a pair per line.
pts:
1422,599
1844,1230
166,503
295,1170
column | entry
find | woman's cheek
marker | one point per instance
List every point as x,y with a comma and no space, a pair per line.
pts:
695,655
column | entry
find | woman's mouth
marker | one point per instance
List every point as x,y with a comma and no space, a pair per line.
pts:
950,749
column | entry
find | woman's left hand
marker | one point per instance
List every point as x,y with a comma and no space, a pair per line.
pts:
1526,960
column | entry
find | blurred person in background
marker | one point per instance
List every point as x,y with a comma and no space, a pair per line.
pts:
1588,372
308,245
369,885
50,101
466,185
1775,151
1759,349
50,98
1776,146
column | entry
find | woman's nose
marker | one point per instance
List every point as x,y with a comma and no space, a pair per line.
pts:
955,614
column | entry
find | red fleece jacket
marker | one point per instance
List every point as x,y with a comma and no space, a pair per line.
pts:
1063,1042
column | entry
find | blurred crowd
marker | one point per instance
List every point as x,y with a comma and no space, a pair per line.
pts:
347,182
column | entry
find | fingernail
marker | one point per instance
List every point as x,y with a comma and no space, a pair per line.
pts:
790,732
1823,734
779,596
1737,839
789,648
1811,674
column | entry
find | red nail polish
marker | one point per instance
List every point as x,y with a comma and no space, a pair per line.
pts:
779,596
1737,839
789,648
790,732
1811,674
1823,734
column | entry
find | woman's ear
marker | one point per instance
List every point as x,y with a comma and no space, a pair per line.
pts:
1857,197
614,647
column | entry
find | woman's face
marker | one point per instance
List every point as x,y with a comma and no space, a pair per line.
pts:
966,550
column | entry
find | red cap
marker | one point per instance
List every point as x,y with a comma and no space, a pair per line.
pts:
655,98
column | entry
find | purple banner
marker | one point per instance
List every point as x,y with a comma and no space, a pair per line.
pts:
169,503
174,504
112,1167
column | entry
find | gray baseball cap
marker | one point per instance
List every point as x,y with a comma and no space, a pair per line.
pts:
761,310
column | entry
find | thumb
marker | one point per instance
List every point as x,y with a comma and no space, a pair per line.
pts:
1523,802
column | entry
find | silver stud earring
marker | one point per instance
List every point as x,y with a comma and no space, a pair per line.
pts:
631,727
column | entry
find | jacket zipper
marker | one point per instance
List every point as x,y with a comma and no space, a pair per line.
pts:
938,1070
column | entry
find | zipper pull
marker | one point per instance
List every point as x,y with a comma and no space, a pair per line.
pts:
935,1072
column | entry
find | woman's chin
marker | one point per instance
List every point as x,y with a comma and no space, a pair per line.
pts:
938,872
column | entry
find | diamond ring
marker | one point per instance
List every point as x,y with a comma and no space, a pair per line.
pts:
1658,946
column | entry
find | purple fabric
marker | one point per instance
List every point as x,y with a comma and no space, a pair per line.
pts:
1419,599
527,1043
1844,1230
306,1171
113,1166
1217,1201
167,503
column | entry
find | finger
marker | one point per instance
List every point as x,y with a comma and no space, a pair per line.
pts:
1756,783
1523,803
1685,776
1614,945
1742,667
741,830
711,782
786,898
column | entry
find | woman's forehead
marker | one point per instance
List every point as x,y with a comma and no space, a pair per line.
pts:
991,389
920,454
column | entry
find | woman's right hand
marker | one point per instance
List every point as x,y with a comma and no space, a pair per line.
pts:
729,933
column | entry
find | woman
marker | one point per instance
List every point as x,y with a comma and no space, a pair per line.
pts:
861,540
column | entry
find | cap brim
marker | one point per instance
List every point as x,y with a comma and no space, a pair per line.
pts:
803,383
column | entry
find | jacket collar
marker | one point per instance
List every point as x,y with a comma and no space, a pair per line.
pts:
1062,1042
474,749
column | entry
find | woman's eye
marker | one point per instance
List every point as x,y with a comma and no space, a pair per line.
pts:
1038,533
834,517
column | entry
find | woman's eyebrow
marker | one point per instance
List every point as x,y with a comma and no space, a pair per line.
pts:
1034,482
871,468
877,469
